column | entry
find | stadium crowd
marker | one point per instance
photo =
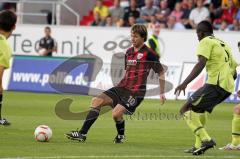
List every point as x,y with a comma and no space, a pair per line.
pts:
170,14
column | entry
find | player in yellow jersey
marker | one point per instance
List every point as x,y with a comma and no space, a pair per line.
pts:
7,25
216,56
235,144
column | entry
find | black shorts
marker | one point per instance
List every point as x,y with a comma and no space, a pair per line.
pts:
207,97
122,96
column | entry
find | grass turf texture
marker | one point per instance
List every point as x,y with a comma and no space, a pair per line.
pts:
154,132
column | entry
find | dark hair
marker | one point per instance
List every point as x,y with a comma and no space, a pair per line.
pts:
8,20
47,28
141,30
205,27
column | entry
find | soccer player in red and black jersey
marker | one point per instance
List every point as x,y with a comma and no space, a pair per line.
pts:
129,93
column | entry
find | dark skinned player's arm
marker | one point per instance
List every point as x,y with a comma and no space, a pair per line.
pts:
196,70
194,73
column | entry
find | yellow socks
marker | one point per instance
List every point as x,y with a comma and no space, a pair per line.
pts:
203,120
198,142
236,130
194,121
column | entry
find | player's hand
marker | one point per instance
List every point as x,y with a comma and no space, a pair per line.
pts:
162,98
179,89
238,93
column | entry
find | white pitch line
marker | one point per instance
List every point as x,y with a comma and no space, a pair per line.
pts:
145,156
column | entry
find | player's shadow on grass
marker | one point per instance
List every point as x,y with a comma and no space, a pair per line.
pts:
95,64
63,111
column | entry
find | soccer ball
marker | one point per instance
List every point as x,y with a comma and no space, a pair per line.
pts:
43,133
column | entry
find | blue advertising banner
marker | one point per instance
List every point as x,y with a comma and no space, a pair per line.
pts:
53,75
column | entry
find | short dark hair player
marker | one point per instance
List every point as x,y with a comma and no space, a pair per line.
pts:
8,21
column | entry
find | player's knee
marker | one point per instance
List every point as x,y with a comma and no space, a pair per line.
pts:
116,116
237,109
97,102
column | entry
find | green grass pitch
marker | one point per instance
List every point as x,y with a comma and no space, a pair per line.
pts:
154,132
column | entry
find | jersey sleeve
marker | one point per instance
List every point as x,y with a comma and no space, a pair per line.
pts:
153,59
204,48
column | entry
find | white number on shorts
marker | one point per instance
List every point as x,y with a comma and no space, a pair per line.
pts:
131,100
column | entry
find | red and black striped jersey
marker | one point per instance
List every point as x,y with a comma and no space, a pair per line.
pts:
138,65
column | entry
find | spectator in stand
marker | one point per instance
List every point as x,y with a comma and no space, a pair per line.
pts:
164,8
47,44
228,14
187,5
116,11
97,20
163,13
152,23
148,10
184,4
109,22
215,9
173,24
131,21
224,26
177,12
236,26
214,12
226,4
131,10
120,23
198,14
101,9
161,19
